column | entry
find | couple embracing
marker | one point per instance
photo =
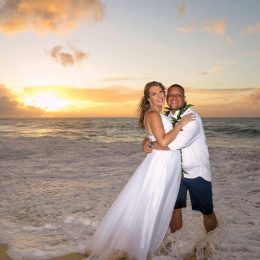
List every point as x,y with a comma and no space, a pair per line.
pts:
136,223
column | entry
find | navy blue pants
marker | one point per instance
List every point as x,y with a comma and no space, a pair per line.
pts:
200,195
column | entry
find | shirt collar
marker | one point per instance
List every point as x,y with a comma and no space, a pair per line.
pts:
171,114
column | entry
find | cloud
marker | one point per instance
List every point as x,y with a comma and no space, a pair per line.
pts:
250,53
123,78
211,70
87,102
225,102
113,94
187,29
10,107
123,101
111,101
181,9
217,27
253,29
67,58
251,98
47,15
7,103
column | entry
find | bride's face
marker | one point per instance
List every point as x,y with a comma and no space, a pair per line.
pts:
156,96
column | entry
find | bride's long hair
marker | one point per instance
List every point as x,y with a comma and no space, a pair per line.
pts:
144,104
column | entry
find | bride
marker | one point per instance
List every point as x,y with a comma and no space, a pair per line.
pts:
136,223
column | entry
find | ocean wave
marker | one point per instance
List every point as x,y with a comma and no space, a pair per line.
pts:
238,131
249,132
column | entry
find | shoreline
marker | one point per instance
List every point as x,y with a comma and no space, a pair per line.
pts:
72,256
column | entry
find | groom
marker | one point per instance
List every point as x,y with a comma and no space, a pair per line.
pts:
195,163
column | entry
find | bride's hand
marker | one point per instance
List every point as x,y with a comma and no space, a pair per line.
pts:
187,118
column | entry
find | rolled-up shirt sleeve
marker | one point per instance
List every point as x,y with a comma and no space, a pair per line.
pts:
187,136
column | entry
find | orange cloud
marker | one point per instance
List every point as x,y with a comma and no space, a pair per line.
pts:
118,101
103,102
253,97
103,95
226,102
253,29
216,27
10,107
47,15
67,58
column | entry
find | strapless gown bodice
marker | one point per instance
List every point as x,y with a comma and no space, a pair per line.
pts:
167,125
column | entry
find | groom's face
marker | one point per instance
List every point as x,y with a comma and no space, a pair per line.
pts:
175,98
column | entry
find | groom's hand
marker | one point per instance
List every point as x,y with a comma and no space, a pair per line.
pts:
147,146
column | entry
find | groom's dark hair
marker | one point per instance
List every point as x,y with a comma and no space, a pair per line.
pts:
177,86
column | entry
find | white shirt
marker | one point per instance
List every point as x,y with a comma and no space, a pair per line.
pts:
192,142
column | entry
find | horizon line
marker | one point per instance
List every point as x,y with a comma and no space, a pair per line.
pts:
131,117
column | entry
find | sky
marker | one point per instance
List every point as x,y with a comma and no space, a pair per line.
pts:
75,58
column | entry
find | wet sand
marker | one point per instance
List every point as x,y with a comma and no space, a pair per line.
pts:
4,256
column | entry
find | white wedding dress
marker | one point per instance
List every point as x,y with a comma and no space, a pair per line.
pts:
136,223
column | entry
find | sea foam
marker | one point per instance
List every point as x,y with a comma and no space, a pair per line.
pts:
55,190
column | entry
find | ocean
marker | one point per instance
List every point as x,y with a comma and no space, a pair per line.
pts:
58,178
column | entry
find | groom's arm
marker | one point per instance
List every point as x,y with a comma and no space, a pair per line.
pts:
148,146
190,133
186,137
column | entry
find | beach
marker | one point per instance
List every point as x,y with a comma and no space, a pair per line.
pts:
4,256
59,177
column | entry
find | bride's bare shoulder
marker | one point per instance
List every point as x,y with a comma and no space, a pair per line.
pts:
152,117
152,114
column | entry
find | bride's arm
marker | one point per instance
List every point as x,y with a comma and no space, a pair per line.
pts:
154,123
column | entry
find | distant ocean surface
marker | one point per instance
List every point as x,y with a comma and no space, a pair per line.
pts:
219,131
58,177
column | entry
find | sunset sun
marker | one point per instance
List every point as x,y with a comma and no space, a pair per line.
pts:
46,101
